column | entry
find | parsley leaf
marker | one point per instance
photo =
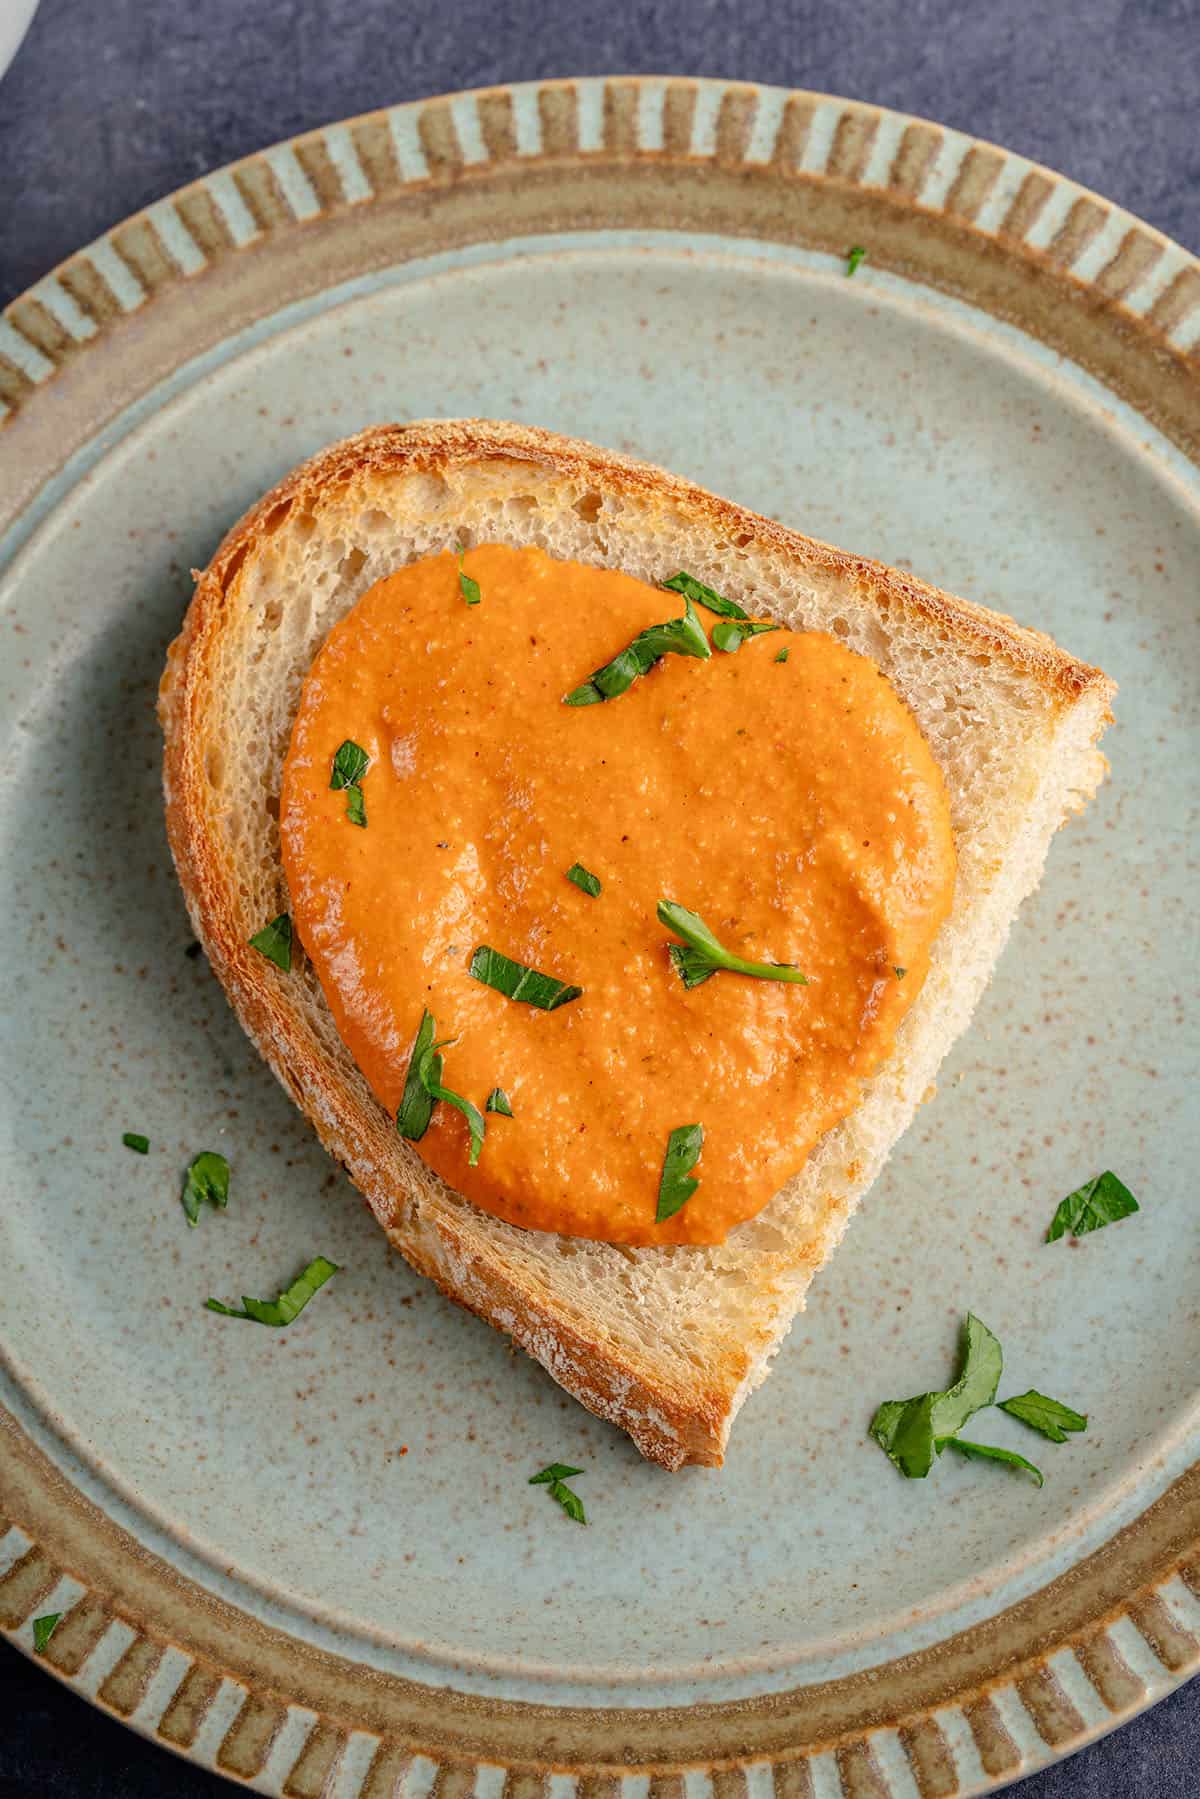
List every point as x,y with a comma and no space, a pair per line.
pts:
570,1501
1050,1416
423,1086
782,655
730,634
701,955
1102,1200
515,980
431,1077
466,586
274,942
585,880
990,1452
290,1303
556,1477
43,1629
678,636
135,1140
677,1183
207,1178
556,1471
982,1366
356,812
498,1101
912,1431
854,256
350,764
903,1428
899,973
691,589
416,1102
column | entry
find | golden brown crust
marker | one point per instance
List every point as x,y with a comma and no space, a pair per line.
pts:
670,1425
436,443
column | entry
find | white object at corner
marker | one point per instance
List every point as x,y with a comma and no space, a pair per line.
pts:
16,16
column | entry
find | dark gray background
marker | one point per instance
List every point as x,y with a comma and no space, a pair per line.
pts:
111,103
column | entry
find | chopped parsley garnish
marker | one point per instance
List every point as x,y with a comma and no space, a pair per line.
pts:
991,1452
466,586
903,1429
1049,1416
584,879
135,1140
701,955
678,1182
207,1178
1102,1200
899,973
416,1102
498,1101
350,764
853,257
691,589
729,634
43,1629
290,1303
569,1500
356,812
556,1477
423,1086
976,1385
782,655
274,942
431,1076
515,980
736,624
913,1431
677,636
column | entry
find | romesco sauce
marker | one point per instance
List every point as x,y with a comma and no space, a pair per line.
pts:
794,805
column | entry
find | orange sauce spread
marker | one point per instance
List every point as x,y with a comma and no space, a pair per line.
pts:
795,806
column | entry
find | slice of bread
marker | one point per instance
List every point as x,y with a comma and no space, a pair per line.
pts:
664,1342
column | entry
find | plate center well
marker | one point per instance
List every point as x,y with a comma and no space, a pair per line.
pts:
362,1475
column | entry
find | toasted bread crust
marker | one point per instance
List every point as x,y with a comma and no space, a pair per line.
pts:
670,1424
431,445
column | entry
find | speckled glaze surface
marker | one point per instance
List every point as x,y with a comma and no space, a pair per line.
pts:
310,1558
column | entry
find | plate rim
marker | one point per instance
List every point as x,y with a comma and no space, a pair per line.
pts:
150,1645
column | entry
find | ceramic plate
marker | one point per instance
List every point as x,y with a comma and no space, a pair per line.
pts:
311,1558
